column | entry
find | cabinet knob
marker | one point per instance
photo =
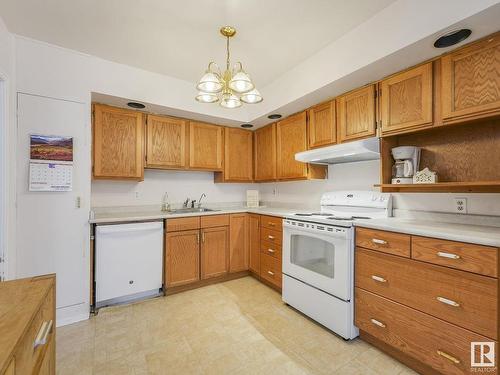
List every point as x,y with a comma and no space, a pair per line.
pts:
270,250
271,224
447,255
377,323
270,237
270,273
379,279
448,356
447,301
43,334
379,242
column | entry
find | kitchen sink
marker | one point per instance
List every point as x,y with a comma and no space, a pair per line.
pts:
189,210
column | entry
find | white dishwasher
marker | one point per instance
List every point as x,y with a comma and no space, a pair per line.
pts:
128,262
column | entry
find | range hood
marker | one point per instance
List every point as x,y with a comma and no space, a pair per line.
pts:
364,149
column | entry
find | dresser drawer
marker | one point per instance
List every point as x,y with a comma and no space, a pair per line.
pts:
270,269
271,235
271,222
440,345
387,242
271,249
463,256
462,298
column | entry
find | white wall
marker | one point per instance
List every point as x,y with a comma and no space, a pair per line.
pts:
179,185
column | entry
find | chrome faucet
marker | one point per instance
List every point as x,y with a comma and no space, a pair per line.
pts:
186,202
203,195
165,205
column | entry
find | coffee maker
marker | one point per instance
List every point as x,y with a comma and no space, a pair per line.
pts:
406,161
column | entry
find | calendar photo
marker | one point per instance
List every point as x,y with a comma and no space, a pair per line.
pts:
53,148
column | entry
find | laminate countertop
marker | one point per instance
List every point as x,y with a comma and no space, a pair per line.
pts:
471,233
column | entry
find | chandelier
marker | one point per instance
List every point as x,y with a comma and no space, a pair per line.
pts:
230,88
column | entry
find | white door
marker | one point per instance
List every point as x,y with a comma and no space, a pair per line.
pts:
52,232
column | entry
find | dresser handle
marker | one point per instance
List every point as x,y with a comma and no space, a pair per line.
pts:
379,242
448,356
377,323
270,250
43,333
448,301
447,255
379,279
270,237
270,273
271,224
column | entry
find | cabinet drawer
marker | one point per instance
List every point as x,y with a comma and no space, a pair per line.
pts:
440,345
459,255
183,223
271,249
461,298
271,222
270,235
214,221
387,242
270,269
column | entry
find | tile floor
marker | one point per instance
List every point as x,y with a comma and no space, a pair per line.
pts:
237,327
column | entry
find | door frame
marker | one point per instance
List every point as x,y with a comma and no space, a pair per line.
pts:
4,172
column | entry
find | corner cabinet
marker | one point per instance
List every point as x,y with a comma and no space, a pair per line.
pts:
471,82
291,137
238,163
118,143
356,114
238,243
205,146
166,142
254,243
265,153
406,100
322,125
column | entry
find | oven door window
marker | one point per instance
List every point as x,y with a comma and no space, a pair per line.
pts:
313,254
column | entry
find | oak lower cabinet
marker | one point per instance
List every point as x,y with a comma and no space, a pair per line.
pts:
356,114
424,306
118,143
471,81
322,125
182,257
166,142
238,153
271,233
406,100
254,243
205,146
265,153
214,252
238,243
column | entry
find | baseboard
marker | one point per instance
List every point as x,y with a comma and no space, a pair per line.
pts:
201,283
72,314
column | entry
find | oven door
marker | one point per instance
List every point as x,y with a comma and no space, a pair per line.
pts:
321,258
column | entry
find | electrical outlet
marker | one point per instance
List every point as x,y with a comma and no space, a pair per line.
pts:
136,195
461,205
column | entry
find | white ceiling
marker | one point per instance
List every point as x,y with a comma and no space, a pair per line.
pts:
178,38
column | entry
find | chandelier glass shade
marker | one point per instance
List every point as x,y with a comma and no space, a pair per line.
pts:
230,88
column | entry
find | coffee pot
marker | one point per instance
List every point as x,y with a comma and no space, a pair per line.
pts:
406,162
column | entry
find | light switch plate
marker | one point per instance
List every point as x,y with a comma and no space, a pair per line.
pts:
461,205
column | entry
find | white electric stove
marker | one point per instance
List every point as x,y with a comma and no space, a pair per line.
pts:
318,257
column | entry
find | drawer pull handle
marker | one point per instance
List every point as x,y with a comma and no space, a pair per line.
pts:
377,323
448,301
379,279
447,255
270,250
379,242
43,333
448,357
270,237
270,273
271,224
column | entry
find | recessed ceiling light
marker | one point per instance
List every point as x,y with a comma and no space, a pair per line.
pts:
451,38
246,126
274,116
136,105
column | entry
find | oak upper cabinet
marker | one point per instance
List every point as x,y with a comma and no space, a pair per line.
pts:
322,125
356,114
118,143
166,142
291,137
183,257
238,151
205,146
265,153
254,243
238,243
214,251
471,81
406,100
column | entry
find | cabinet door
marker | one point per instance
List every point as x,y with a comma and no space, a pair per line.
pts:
265,153
471,81
118,143
406,100
322,126
238,243
214,252
291,134
205,146
356,114
238,155
254,243
183,257
165,142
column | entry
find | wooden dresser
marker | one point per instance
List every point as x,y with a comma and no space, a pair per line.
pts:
27,326
425,300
